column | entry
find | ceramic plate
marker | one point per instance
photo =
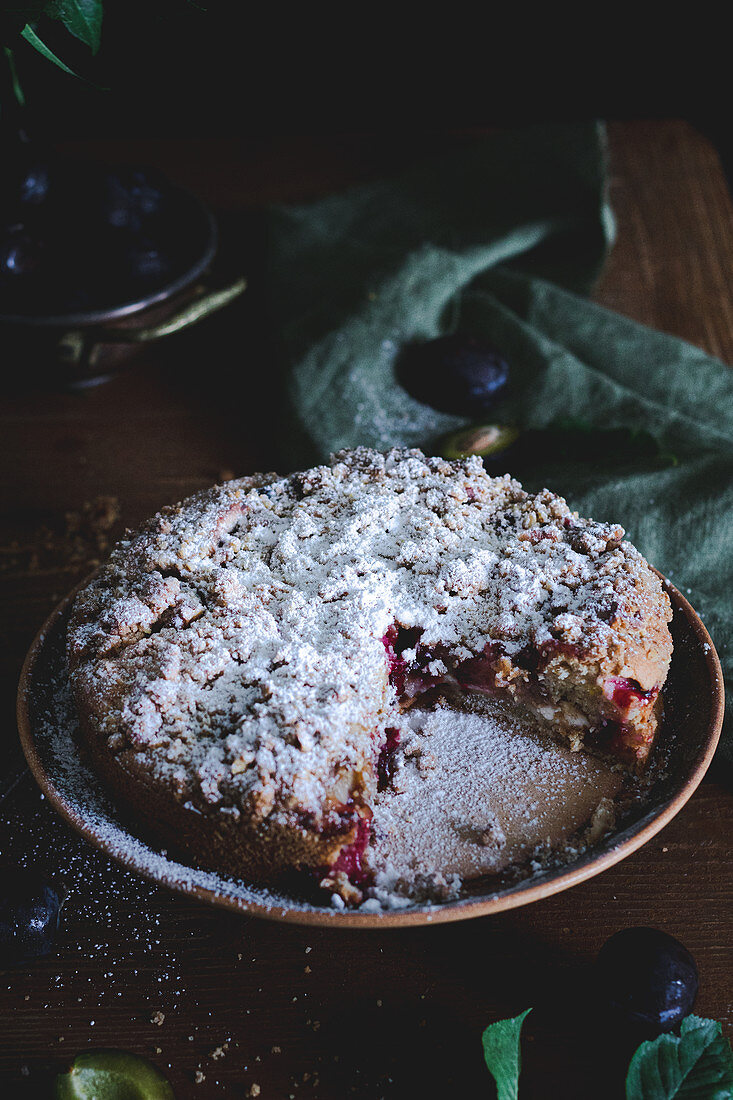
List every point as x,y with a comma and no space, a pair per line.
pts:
47,724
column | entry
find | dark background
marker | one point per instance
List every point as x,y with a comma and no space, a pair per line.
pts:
179,69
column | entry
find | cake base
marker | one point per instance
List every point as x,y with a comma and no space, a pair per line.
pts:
476,789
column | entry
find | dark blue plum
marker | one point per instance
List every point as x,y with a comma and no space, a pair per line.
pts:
29,916
130,196
35,183
20,253
145,263
646,978
25,177
455,374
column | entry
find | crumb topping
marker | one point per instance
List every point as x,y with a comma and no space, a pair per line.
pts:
234,644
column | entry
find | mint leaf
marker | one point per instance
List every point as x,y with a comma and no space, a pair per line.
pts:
82,18
696,1065
501,1053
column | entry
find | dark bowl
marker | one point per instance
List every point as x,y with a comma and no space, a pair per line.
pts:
87,346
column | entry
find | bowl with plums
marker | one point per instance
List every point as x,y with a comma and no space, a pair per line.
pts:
97,260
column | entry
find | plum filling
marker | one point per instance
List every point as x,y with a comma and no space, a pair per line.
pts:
425,669
626,694
479,673
413,677
415,668
395,643
386,758
350,859
621,740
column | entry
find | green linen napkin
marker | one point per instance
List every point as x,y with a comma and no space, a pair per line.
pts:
500,240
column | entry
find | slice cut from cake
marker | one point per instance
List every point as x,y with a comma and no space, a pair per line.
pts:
242,661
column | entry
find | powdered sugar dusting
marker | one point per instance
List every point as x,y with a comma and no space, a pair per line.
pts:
56,729
422,848
476,791
233,645
480,750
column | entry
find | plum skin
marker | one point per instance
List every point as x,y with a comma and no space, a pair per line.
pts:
458,374
29,916
647,978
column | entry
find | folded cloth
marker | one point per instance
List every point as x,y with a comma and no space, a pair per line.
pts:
500,241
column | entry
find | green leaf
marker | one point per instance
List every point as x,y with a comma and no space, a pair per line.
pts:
15,82
82,18
112,1075
501,1052
30,36
696,1065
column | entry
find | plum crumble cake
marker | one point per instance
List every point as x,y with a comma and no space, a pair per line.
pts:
241,662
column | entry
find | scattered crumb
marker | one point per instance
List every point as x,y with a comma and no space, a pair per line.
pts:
602,821
254,1090
158,1018
85,540
276,1050
199,1077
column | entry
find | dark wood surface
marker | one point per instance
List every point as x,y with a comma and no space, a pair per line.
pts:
291,1011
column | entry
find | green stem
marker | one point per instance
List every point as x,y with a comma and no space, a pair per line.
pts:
14,79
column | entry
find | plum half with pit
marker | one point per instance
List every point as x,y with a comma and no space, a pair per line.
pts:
29,916
646,978
458,374
112,1075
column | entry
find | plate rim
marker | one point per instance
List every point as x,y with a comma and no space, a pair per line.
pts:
464,909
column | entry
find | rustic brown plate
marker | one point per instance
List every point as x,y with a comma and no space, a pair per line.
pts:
46,720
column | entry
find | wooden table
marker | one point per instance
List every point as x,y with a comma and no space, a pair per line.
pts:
291,1011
